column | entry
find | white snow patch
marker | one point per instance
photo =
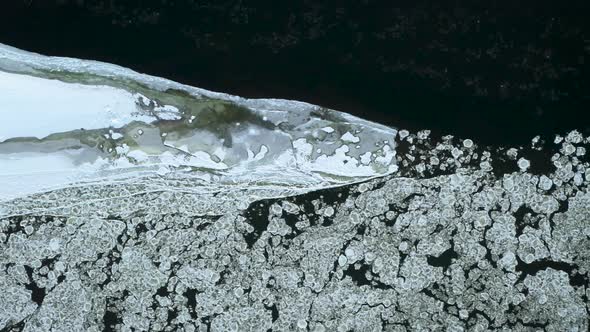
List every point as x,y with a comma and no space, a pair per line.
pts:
348,137
52,106
168,112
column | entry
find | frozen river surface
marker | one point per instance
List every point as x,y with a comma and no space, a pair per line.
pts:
133,203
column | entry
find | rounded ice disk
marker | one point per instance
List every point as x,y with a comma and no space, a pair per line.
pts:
523,164
545,183
403,134
302,323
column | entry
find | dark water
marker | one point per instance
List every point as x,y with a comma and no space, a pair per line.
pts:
500,72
